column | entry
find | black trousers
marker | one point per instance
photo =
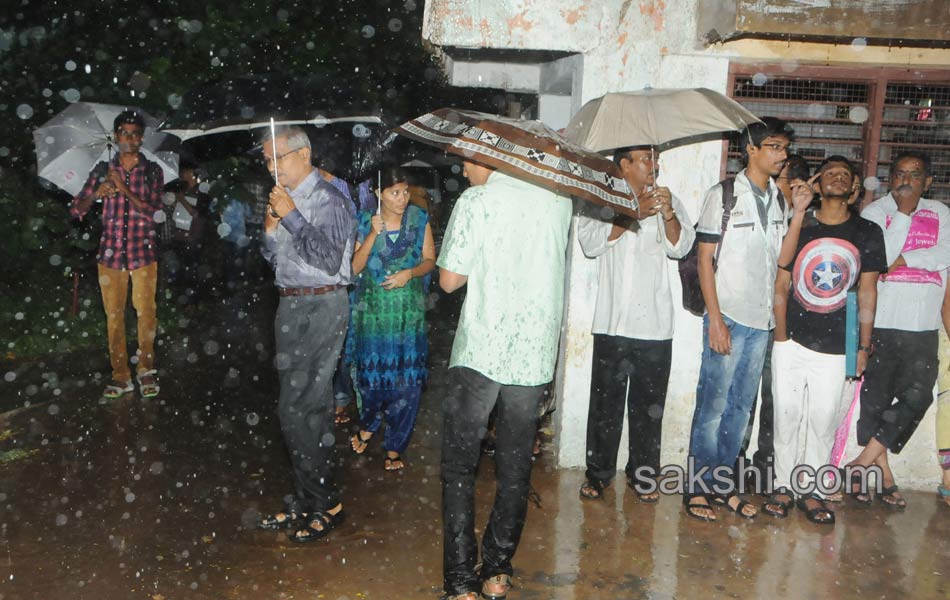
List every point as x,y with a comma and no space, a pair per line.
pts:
898,386
466,411
765,452
309,331
647,365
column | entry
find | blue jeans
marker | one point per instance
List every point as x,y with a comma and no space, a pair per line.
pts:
728,384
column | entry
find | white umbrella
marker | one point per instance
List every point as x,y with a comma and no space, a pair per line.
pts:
70,144
317,121
655,117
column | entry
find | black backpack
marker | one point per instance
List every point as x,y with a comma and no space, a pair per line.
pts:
693,300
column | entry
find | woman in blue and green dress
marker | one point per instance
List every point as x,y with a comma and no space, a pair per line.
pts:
388,345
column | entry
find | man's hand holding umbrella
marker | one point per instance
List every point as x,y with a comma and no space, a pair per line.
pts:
279,205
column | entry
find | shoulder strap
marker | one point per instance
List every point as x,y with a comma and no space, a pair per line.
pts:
728,203
781,200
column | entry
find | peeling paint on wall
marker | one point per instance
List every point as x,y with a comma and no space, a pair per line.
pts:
573,16
654,9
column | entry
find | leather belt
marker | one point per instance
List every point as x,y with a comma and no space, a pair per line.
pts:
308,291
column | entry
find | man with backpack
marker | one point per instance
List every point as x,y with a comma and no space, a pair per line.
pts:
739,237
130,188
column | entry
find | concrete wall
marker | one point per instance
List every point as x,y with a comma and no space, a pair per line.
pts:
626,45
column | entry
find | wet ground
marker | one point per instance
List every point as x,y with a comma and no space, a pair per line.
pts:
155,500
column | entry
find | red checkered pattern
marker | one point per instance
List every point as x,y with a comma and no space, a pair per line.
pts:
129,240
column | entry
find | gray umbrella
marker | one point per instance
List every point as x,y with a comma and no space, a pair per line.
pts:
70,144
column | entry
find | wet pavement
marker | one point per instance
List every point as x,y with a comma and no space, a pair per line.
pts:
155,499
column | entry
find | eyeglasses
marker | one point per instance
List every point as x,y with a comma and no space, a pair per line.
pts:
915,175
279,157
775,147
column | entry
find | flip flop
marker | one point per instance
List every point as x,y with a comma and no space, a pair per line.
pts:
692,506
812,514
308,533
897,504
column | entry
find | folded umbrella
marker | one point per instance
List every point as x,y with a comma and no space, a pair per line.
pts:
70,144
525,149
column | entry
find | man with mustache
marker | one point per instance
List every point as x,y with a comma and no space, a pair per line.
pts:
130,188
903,361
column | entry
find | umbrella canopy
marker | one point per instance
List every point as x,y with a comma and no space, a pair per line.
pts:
316,121
656,117
70,144
525,149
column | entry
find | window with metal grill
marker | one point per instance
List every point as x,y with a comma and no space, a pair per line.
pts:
867,115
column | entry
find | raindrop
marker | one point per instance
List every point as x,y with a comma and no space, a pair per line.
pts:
858,114
56,260
760,79
156,468
159,216
211,347
368,31
253,419
88,69
24,111
70,65
174,100
195,26
328,440
130,497
9,376
872,183
451,185
61,519
410,5
71,95
310,45
215,62
361,131
204,187
19,316
283,15
815,110
859,43
395,25
4,151
47,93
223,230
53,409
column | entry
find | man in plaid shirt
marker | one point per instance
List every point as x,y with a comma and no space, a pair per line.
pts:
130,188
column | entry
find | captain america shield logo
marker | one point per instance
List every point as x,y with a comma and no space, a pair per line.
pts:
824,271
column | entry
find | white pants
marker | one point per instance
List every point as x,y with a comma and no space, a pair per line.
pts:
806,395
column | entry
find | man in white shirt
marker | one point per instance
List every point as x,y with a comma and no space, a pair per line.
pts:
903,362
738,292
633,326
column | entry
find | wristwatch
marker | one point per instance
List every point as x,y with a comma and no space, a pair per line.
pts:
868,349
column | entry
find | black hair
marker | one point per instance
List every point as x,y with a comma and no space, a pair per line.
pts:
755,133
624,153
390,176
922,157
128,117
837,158
797,167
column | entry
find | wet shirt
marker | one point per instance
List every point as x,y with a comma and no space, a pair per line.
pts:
129,240
828,263
510,238
313,244
748,261
909,298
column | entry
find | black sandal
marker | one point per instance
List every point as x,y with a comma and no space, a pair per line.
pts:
592,489
778,508
738,509
863,498
812,514
394,463
309,533
897,503
692,506
281,520
648,498
358,441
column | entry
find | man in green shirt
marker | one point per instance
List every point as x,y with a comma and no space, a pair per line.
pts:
506,240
